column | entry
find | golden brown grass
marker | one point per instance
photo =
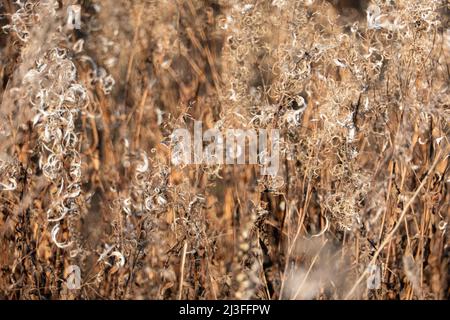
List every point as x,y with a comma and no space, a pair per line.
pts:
358,89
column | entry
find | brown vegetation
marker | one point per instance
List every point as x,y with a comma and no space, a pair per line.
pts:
358,89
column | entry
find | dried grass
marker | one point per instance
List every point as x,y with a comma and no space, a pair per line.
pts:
358,90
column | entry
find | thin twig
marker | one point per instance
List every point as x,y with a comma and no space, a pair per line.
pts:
183,260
